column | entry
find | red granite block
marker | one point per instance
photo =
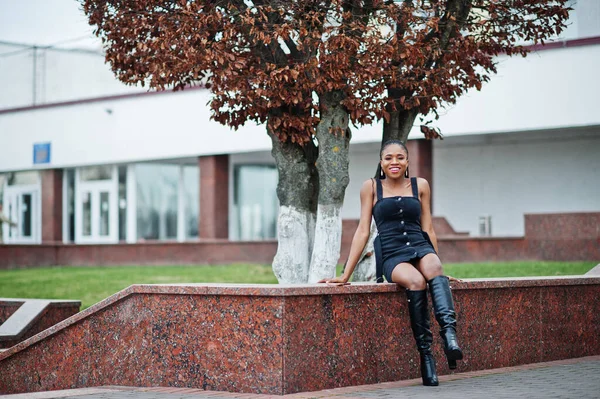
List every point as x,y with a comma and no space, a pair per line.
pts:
283,339
570,321
7,309
351,336
497,327
218,343
556,226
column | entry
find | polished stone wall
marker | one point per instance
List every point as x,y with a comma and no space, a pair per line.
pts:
285,339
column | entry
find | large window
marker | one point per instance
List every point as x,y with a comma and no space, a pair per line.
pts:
129,203
167,201
157,196
255,202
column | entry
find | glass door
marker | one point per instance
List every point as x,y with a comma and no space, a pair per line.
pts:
21,205
96,215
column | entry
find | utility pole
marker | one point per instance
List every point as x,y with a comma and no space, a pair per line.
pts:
34,80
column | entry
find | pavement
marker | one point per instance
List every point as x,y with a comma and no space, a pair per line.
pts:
572,378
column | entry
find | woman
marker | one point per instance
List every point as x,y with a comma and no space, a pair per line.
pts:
402,212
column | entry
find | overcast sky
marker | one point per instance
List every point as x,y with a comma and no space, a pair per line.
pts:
45,22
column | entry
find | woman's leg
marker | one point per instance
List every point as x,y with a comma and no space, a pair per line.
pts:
408,277
443,305
416,293
430,266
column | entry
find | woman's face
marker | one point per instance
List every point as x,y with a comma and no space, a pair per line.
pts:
394,161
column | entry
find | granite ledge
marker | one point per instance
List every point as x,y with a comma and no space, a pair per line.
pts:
57,303
277,290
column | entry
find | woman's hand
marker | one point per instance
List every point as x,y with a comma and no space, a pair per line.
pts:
336,281
454,279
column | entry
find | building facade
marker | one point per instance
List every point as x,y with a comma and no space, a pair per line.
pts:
87,160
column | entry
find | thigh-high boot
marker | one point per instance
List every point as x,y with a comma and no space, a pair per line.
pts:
420,324
443,308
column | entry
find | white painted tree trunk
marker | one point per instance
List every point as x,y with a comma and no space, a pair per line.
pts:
291,263
327,242
365,269
311,224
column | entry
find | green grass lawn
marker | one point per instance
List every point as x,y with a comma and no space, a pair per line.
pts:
92,284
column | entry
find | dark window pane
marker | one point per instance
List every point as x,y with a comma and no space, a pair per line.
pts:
26,215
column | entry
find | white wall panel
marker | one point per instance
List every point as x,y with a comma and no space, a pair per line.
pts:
548,89
149,127
506,176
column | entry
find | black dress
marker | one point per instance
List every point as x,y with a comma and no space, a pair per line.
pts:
398,222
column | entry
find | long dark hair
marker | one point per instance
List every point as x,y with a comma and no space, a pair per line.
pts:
379,173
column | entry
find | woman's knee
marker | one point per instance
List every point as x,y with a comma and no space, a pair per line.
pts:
409,277
431,267
416,282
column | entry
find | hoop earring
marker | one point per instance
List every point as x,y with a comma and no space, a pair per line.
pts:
406,172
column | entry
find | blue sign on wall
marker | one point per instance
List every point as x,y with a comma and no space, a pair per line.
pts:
41,153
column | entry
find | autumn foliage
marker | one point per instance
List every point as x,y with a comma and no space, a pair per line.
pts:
269,61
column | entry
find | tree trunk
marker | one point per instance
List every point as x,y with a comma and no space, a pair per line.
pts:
401,122
333,138
295,224
365,269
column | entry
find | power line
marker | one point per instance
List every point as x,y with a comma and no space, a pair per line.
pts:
30,47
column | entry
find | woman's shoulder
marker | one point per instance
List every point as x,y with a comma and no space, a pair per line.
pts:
368,184
422,183
422,180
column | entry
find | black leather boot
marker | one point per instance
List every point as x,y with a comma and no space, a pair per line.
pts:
419,322
443,308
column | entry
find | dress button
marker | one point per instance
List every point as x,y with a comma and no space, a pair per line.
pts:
408,243
401,210
402,222
404,233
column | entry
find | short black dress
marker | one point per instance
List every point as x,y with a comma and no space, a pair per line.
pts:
398,222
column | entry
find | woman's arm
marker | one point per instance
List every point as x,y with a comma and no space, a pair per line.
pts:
426,221
361,236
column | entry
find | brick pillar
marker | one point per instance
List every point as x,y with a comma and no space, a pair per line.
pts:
52,205
214,196
421,160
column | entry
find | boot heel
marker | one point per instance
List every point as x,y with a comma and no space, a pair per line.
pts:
451,364
453,355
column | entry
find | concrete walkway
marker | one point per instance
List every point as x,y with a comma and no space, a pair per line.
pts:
573,378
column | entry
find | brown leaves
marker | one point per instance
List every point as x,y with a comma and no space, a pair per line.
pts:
431,133
270,61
